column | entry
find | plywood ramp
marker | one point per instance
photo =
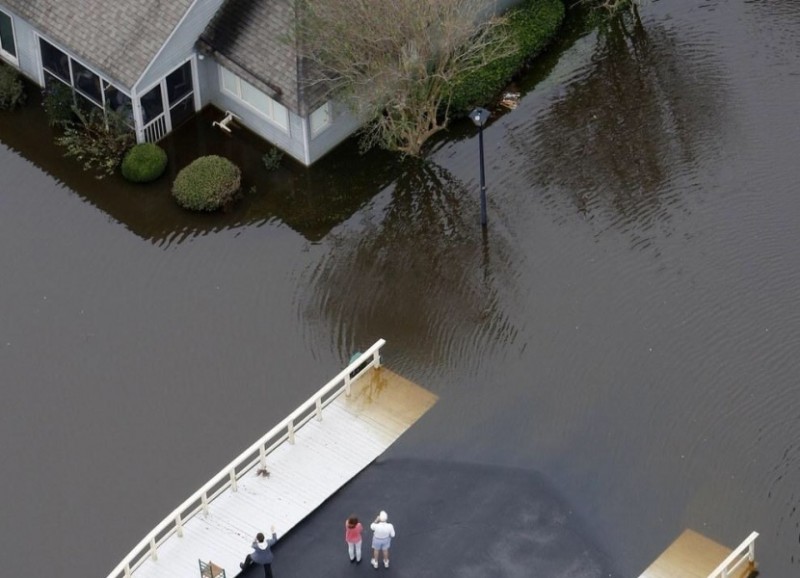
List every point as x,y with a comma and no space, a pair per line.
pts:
354,430
692,555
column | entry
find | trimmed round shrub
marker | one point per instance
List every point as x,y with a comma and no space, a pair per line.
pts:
145,162
207,184
12,91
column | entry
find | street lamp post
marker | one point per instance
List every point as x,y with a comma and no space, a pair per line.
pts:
479,116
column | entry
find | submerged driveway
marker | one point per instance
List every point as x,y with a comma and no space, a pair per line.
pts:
451,519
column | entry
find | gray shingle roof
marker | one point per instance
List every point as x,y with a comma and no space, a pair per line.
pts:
253,38
117,37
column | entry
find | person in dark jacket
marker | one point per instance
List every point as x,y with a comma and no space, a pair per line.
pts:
261,553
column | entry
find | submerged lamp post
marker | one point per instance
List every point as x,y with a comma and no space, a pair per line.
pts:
479,116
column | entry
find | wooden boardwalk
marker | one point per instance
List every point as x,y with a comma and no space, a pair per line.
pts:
693,555
353,430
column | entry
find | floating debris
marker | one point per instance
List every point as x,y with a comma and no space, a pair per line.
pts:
510,100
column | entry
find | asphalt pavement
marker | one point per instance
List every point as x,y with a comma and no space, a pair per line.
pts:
451,519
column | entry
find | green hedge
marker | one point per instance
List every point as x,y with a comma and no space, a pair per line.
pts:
12,91
532,25
207,184
145,162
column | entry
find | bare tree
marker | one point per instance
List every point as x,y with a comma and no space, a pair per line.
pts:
394,62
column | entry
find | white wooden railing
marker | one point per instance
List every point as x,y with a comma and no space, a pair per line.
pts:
156,129
256,454
744,554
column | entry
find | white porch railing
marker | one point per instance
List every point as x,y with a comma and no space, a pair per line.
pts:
246,461
736,560
156,129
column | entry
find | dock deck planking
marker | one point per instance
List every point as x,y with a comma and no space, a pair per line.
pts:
691,555
354,430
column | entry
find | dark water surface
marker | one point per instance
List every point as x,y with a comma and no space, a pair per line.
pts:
629,328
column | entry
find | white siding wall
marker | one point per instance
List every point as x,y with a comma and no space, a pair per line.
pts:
290,142
27,51
206,79
343,125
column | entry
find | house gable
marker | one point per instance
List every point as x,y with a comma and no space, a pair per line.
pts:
181,43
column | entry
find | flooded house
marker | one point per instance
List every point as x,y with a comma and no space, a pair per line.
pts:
161,62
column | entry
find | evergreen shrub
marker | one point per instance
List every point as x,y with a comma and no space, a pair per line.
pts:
532,25
207,184
12,91
144,162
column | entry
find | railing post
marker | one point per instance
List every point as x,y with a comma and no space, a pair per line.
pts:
127,571
204,499
153,548
347,385
179,525
319,409
234,486
290,428
376,359
262,452
752,552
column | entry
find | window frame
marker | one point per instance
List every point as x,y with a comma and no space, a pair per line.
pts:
7,56
269,115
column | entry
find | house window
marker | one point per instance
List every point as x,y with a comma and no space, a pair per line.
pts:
8,47
320,119
253,97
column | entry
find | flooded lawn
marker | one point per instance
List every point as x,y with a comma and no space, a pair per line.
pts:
310,200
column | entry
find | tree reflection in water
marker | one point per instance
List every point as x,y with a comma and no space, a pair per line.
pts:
612,142
417,272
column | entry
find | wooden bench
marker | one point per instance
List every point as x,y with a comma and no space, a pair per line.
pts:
210,570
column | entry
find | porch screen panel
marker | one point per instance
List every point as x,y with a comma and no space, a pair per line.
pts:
117,99
86,104
55,61
7,35
152,104
119,102
181,112
87,82
179,83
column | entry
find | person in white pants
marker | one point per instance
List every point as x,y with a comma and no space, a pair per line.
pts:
352,535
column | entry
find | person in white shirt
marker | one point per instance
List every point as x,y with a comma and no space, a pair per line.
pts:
382,534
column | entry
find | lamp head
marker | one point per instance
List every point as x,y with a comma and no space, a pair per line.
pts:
479,116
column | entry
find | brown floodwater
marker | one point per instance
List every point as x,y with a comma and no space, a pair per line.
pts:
628,327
